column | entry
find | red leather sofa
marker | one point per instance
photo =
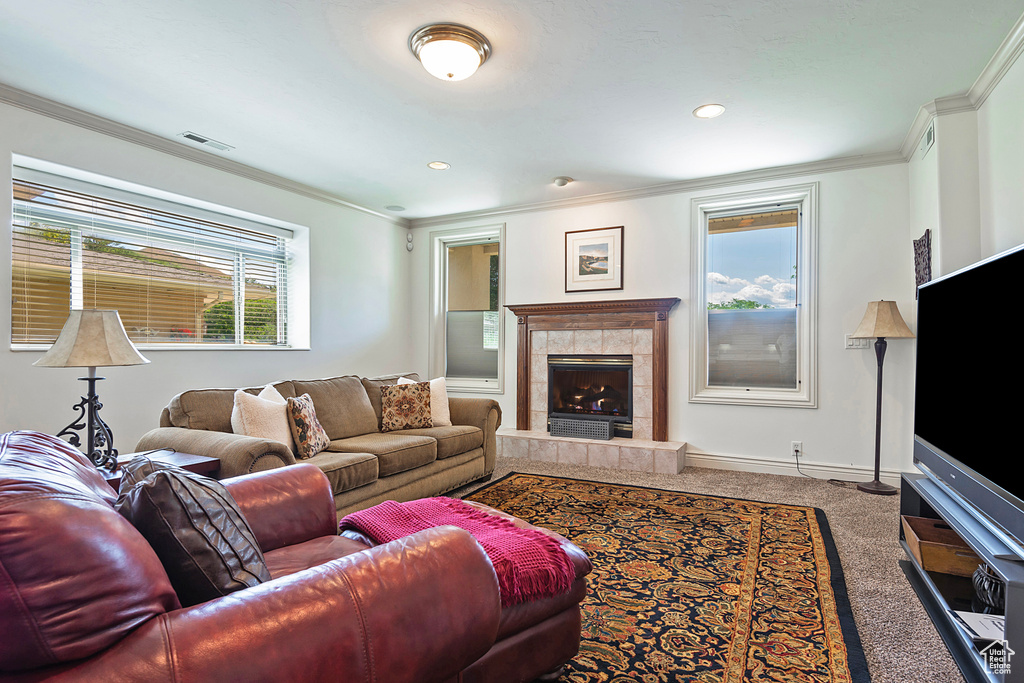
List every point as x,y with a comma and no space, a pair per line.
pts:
83,596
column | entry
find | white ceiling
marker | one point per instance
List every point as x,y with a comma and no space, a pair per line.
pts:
327,93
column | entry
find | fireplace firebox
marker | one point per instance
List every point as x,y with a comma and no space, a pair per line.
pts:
592,387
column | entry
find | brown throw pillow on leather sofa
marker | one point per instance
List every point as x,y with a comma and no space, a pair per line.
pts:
196,529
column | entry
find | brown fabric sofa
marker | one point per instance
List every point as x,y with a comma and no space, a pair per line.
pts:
85,598
364,465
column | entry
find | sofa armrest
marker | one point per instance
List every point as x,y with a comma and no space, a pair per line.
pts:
416,610
286,506
238,454
484,413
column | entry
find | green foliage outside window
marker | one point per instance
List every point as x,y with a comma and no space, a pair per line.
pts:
260,323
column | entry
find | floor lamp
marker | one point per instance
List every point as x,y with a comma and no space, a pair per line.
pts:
90,339
881,320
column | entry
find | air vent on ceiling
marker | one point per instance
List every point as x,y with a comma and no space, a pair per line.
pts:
205,141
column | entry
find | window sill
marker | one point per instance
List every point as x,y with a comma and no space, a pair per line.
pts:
178,347
475,386
755,397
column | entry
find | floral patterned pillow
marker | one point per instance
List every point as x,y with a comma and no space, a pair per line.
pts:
405,406
310,437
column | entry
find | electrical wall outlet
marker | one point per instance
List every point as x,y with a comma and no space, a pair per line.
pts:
852,343
797,448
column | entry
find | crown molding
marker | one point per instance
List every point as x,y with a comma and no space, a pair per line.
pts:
1005,56
694,185
82,119
1007,53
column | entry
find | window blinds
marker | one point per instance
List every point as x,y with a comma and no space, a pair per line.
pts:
175,278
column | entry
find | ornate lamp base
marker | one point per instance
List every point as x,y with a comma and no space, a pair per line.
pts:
98,437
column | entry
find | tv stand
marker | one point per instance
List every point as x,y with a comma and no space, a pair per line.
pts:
939,593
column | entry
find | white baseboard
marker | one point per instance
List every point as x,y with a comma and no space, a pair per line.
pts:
818,470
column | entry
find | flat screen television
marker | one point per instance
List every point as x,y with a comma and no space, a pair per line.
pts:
968,416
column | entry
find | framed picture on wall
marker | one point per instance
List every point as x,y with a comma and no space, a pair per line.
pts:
593,260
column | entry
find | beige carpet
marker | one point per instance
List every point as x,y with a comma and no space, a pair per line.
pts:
900,644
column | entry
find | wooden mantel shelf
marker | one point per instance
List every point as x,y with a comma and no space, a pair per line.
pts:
584,307
596,315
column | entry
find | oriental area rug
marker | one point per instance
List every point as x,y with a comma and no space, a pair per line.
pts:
691,587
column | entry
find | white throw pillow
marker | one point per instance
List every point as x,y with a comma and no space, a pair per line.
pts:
264,416
440,414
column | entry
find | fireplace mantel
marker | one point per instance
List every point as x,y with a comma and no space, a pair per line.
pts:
614,314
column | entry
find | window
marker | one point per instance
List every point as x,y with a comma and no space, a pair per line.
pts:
753,317
466,331
178,275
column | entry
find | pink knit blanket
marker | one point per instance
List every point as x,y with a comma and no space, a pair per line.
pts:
529,563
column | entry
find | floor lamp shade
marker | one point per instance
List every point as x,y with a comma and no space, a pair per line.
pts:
881,320
90,339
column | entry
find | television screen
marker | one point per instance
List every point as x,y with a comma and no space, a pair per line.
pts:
970,371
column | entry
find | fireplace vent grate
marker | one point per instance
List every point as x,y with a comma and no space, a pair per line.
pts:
582,429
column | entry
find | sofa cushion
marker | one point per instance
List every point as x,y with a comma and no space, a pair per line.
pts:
196,529
346,471
405,406
64,595
312,553
210,409
342,405
440,413
372,386
451,440
264,416
310,437
395,451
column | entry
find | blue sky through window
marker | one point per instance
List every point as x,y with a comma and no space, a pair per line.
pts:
756,265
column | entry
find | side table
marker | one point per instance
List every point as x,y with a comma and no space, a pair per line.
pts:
200,464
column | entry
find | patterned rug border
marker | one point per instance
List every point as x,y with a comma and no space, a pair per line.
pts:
856,660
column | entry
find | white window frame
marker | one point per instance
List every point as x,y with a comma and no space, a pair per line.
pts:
440,241
805,197
295,283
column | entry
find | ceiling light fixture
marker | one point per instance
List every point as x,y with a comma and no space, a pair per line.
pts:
451,52
562,181
709,111
439,165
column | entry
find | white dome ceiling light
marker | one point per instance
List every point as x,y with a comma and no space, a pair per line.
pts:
451,52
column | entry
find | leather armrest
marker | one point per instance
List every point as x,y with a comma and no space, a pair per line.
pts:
417,610
238,454
286,506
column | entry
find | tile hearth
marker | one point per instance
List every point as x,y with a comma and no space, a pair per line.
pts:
639,455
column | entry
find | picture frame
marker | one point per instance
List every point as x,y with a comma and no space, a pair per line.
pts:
593,259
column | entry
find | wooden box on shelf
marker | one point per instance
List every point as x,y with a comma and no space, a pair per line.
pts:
937,548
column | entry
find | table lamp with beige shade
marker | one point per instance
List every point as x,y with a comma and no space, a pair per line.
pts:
90,339
881,320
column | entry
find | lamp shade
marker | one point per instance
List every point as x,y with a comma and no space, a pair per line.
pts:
92,338
882,319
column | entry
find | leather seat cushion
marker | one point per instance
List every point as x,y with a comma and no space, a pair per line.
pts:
345,471
313,553
451,440
396,451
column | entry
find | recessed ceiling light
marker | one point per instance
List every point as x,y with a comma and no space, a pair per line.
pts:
394,207
708,111
451,52
562,180
439,165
